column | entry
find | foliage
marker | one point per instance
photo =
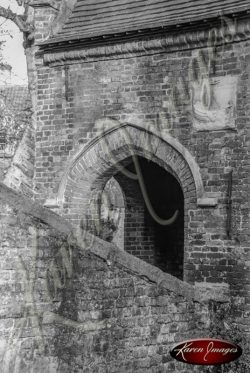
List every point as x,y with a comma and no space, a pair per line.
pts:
224,325
12,125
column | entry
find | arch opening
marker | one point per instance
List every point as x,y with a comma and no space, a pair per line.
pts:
83,183
137,230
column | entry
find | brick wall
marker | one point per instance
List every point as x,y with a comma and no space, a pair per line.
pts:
134,323
141,89
75,303
155,90
28,246
138,228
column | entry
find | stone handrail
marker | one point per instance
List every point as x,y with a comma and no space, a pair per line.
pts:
110,252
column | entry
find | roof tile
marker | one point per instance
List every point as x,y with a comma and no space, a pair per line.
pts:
93,18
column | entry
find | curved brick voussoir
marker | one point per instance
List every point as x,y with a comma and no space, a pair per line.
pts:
104,156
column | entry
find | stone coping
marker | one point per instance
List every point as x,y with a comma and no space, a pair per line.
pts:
29,207
113,255
110,252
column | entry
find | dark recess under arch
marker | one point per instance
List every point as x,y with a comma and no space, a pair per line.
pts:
162,246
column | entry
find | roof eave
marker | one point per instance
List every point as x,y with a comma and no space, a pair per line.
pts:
80,40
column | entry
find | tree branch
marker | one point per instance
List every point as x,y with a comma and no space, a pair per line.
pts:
23,2
17,19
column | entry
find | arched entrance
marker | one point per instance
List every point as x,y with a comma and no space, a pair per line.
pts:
109,155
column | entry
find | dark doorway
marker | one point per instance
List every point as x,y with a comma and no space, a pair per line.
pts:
160,245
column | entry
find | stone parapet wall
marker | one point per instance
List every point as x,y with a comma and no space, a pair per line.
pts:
72,302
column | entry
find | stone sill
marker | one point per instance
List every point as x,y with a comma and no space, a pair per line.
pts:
207,202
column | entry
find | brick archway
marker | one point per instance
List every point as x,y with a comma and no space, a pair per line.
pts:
90,169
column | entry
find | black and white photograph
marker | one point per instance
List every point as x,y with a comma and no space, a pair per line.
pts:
124,186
